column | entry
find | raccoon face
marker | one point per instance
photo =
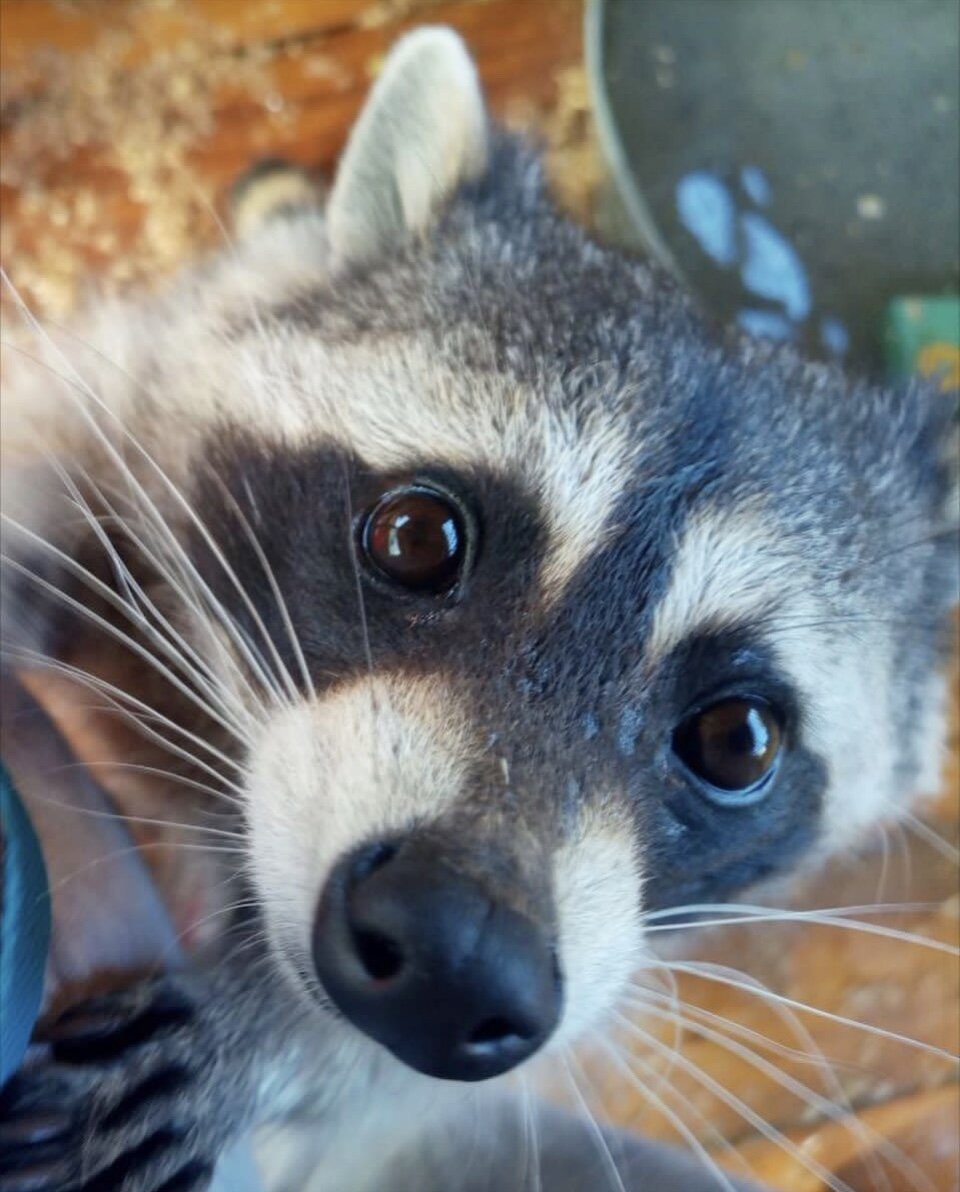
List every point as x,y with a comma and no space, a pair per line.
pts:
570,608
594,614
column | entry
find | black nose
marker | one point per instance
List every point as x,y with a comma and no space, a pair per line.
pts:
427,962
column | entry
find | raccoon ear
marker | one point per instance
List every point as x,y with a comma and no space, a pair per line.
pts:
423,132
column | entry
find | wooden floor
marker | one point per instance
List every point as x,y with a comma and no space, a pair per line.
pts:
124,122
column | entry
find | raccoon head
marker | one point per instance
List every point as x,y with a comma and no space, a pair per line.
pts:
560,607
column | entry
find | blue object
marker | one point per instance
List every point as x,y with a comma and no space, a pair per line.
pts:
765,324
754,182
834,337
706,210
772,267
24,927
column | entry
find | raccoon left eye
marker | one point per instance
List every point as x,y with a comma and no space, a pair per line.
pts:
733,746
415,537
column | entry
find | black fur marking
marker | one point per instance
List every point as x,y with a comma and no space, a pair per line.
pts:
529,677
127,1164
192,1178
158,1087
309,501
99,1035
695,850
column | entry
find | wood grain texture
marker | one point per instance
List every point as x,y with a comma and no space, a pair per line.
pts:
124,123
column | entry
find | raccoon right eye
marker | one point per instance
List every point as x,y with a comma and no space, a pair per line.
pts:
415,537
733,747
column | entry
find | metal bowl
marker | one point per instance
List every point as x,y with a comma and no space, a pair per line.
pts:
796,161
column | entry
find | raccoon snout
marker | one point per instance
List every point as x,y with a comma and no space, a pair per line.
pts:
428,962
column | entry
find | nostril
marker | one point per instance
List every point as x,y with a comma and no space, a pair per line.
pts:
380,956
496,1030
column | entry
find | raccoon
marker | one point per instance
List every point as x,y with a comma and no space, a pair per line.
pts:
487,599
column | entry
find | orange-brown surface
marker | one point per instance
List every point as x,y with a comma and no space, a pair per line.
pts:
124,123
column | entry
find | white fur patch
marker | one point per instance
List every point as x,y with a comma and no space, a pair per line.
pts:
352,767
597,885
726,566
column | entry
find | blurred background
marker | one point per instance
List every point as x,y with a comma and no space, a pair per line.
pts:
800,172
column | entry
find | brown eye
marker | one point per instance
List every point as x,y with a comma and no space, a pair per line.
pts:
416,538
731,745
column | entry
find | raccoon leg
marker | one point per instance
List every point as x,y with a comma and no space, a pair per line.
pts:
138,1091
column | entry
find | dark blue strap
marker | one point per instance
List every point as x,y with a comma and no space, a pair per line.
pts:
24,927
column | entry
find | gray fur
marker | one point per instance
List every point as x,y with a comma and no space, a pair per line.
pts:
666,510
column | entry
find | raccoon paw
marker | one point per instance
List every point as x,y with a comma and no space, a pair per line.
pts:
118,1103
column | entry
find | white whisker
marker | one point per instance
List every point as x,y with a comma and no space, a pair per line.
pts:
653,1097
274,586
134,615
149,505
930,836
531,1139
722,975
736,914
685,1009
177,780
114,695
745,1111
96,813
841,1113
603,1147
179,845
183,587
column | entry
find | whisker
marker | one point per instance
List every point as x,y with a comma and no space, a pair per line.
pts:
531,1158
654,968
364,625
181,587
813,1053
673,1117
737,914
230,908
113,695
120,816
721,974
180,846
603,1147
841,1113
274,586
156,772
931,836
134,615
178,577
782,622
78,383
123,638
784,1050
901,548
745,1111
